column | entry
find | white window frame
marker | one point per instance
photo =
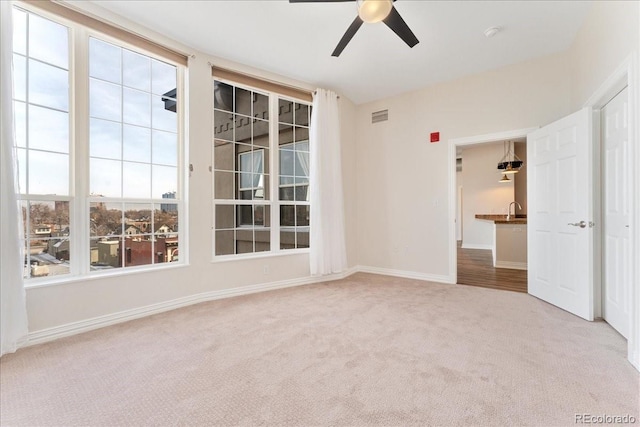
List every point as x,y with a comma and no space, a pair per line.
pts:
79,198
274,201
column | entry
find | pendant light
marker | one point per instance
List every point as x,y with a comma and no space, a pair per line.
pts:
504,179
510,163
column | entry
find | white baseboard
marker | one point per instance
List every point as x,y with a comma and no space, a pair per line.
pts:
56,332
406,274
476,246
512,265
50,334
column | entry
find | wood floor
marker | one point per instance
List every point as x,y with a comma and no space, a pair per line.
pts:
475,268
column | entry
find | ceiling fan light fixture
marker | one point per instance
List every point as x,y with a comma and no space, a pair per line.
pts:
372,11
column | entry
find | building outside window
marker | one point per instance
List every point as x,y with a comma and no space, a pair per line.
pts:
41,103
133,154
261,147
94,200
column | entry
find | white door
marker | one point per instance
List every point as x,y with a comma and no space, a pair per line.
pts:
616,216
560,199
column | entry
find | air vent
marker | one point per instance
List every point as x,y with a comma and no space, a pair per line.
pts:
380,116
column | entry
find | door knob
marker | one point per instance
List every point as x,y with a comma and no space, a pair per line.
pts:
581,224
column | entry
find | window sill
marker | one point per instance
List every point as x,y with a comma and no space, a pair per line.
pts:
68,279
259,255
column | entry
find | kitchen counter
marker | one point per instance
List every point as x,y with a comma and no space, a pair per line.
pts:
509,246
502,219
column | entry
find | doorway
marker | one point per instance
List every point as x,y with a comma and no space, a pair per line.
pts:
624,76
490,251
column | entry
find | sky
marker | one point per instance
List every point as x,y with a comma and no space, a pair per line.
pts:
133,142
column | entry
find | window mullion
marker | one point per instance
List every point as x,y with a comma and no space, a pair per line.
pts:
80,148
275,172
183,163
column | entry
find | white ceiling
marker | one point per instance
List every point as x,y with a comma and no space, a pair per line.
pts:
296,40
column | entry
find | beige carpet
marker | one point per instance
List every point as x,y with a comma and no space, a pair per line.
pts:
367,350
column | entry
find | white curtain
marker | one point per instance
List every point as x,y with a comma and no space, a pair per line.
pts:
327,239
13,312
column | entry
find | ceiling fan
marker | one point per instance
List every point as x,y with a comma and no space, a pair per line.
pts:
371,11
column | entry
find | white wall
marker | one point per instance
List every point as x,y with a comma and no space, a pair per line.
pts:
349,162
52,306
402,178
608,36
483,194
520,179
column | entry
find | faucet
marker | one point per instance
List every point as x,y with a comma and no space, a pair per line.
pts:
514,211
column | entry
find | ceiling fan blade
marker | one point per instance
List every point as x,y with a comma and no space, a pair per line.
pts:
397,24
319,1
348,35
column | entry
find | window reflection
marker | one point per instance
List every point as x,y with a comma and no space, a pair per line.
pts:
293,144
241,163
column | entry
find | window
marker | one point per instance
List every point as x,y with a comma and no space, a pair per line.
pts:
133,151
248,126
241,170
41,104
293,140
108,197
